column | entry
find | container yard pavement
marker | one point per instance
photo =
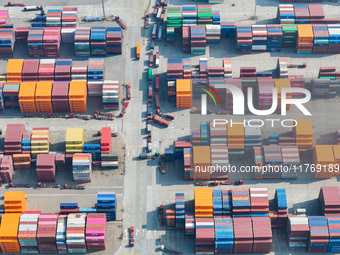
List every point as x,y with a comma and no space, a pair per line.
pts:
144,188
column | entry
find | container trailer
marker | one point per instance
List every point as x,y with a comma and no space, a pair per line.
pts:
157,83
128,91
15,4
155,11
157,59
150,92
154,31
161,121
160,29
151,59
33,8
131,237
150,74
158,105
159,12
138,51
169,116
146,20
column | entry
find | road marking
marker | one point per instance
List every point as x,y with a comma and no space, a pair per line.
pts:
106,187
63,195
141,181
141,187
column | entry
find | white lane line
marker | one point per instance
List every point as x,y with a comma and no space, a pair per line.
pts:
63,195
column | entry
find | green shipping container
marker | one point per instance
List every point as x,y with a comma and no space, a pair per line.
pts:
150,74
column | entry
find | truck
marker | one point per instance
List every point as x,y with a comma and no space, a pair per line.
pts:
216,183
154,31
15,4
161,164
151,59
149,147
160,29
157,83
150,92
138,51
169,116
157,59
163,16
159,12
120,22
155,11
146,20
131,237
150,74
126,104
33,8
128,91
161,121
158,105
145,155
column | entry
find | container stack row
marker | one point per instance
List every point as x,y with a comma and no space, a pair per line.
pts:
47,230
82,167
259,202
324,88
4,18
48,97
82,41
15,202
303,133
114,40
282,67
217,203
98,41
69,22
46,170
95,76
224,236
40,141
7,40
329,201
95,233
174,72
8,233
189,15
107,203
180,210
183,93
110,95
189,225
205,235
198,39
174,22
281,206
53,18
203,203
27,233
241,202
61,234
75,233
75,139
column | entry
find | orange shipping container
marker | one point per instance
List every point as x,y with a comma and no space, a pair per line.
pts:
27,97
43,94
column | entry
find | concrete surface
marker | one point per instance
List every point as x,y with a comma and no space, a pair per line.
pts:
142,189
